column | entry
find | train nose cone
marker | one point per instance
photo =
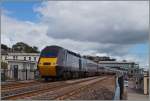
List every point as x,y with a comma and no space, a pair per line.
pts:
47,70
47,66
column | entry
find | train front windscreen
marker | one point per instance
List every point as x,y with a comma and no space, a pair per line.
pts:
52,52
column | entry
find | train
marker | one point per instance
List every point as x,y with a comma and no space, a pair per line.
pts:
56,62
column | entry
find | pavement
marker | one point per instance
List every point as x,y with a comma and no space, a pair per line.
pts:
134,94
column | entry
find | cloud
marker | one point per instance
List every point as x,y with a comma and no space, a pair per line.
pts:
97,21
14,30
89,28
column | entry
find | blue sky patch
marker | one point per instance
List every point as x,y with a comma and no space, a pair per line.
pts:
21,10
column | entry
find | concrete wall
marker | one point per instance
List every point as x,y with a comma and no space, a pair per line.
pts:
21,56
22,75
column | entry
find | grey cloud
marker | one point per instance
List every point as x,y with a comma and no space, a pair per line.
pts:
100,22
107,28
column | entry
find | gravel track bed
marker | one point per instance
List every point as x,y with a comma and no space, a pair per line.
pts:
16,84
62,92
19,86
27,89
36,88
103,90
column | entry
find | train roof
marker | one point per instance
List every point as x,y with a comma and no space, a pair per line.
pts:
57,48
60,48
53,46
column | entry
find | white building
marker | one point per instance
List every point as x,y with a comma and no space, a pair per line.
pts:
131,67
21,65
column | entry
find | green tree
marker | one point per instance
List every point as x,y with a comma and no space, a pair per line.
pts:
23,47
35,49
4,47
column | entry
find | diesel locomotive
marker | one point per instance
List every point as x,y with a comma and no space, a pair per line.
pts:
57,62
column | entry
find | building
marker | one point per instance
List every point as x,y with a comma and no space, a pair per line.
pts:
97,58
146,82
131,67
21,66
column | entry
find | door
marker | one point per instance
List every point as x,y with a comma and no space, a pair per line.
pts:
16,72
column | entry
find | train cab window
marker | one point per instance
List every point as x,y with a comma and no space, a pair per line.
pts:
50,53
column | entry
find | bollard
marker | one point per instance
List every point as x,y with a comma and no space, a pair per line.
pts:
121,85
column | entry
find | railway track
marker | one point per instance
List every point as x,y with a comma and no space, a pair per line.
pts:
17,85
66,91
77,90
69,90
39,89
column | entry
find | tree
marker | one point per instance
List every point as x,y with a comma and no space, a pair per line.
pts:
23,47
35,49
19,47
4,47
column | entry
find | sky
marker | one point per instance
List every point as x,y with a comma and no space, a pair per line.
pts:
118,29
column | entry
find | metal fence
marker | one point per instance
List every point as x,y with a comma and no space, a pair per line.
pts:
19,74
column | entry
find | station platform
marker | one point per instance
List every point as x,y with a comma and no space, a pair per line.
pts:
134,94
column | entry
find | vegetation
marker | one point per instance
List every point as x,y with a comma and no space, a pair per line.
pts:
20,47
5,47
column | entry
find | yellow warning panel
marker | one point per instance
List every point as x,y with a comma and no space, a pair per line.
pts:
47,66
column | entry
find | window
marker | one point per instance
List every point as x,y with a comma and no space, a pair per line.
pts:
11,67
24,58
32,67
50,52
5,57
24,67
14,57
34,58
15,66
29,58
